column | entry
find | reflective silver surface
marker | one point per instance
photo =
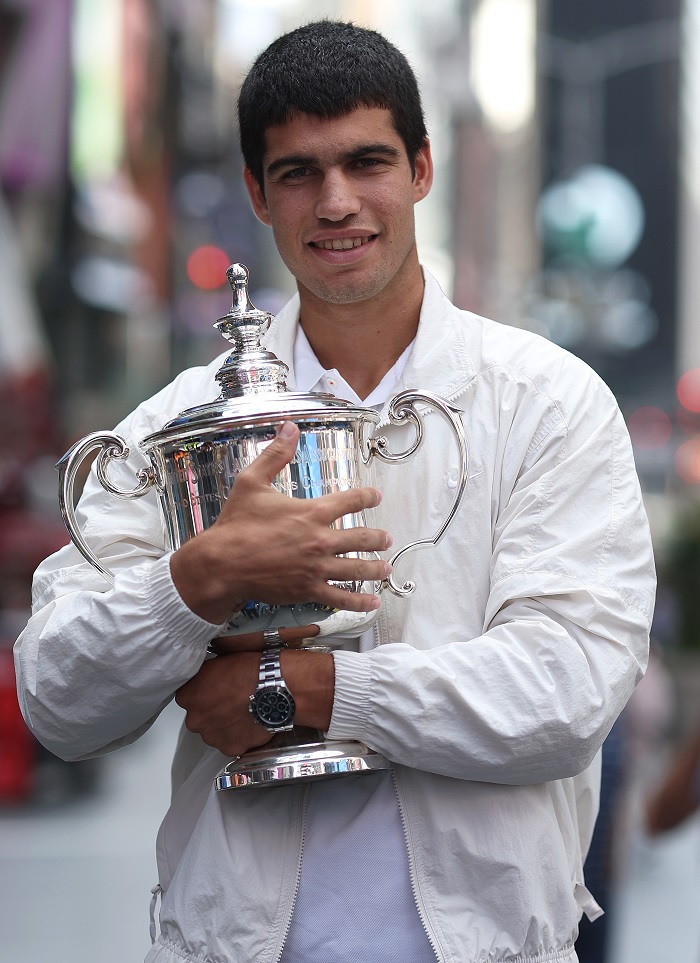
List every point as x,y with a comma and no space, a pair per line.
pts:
194,477
308,761
193,463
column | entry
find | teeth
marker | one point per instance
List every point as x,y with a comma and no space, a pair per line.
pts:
343,244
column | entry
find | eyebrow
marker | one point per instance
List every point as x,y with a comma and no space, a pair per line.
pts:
302,160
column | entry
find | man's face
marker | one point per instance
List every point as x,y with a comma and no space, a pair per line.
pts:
339,197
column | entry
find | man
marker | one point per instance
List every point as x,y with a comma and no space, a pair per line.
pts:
490,690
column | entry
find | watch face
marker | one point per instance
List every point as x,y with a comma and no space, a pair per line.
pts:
273,706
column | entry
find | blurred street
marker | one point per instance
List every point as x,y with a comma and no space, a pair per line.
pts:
656,917
75,880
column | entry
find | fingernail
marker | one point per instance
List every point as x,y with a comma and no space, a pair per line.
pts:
374,604
388,568
285,430
389,541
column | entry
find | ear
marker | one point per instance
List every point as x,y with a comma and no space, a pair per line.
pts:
423,178
257,198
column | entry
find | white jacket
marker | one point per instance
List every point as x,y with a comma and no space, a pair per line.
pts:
491,688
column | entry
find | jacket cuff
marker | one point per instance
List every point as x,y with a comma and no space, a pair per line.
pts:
351,701
170,612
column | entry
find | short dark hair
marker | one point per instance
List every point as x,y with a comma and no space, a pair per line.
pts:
327,69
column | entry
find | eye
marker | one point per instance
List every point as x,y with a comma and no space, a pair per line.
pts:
296,173
365,163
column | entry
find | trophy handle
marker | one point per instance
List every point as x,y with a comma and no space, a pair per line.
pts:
113,447
401,410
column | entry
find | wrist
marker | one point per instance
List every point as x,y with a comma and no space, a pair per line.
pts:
272,704
310,677
199,583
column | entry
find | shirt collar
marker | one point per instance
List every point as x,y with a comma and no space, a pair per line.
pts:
310,375
442,360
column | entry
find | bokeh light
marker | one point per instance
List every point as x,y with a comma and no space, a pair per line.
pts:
688,461
650,428
688,389
206,267
597,214
688,421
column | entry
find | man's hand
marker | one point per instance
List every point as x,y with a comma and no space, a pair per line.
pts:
267,546
217,698
292,637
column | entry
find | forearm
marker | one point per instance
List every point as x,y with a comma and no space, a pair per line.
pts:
310,676
679,794
529,701
94,669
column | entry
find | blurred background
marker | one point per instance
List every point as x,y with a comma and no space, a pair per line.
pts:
567,200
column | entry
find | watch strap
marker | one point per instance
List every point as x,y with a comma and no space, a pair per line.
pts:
270,679
270,671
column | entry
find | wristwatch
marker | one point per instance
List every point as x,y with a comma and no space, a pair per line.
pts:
272,704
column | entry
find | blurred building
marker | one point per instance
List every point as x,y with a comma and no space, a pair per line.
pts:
558,131
609,220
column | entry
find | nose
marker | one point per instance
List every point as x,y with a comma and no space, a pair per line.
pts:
338,197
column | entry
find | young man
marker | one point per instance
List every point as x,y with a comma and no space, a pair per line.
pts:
491,689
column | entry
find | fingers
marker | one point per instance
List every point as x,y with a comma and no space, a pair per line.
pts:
273,458
339,598
354,569
279,452
343,577
348,502
344,541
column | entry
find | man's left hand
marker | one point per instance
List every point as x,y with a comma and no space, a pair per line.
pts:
217,698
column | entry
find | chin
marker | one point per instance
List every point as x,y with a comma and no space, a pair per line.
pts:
348,292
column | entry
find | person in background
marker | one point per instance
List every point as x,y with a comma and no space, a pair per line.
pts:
678,796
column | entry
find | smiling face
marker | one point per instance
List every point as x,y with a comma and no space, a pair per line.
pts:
339,196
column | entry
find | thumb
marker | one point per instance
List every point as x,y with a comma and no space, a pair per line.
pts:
273,458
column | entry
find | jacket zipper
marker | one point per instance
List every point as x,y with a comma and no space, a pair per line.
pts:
297,882
421,917
377,641
411,873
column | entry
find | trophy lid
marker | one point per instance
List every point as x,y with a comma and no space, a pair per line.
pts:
253,380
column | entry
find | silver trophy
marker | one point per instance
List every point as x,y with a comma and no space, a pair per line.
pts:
194,460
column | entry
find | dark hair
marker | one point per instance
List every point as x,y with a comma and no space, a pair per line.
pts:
327,69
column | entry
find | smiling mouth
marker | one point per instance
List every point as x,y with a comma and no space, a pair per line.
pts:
342,244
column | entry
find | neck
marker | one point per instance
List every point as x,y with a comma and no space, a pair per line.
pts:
364,339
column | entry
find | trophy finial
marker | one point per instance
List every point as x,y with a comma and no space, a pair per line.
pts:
242,308
249,369
237,277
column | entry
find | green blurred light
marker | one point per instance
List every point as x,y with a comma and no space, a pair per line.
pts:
97,127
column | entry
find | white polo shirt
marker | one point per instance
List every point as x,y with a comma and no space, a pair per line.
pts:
355,903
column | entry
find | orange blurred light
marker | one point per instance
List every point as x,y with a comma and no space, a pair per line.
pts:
650,428
688,389
688,461
206,267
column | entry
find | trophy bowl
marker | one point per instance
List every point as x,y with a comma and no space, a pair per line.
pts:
193,462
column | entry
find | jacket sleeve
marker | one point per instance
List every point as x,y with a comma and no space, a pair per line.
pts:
565,627
97,663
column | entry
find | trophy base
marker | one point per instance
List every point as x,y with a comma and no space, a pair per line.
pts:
283,766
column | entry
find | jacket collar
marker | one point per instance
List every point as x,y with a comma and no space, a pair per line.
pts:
440,360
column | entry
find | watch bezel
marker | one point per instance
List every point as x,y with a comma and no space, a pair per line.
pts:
257,697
